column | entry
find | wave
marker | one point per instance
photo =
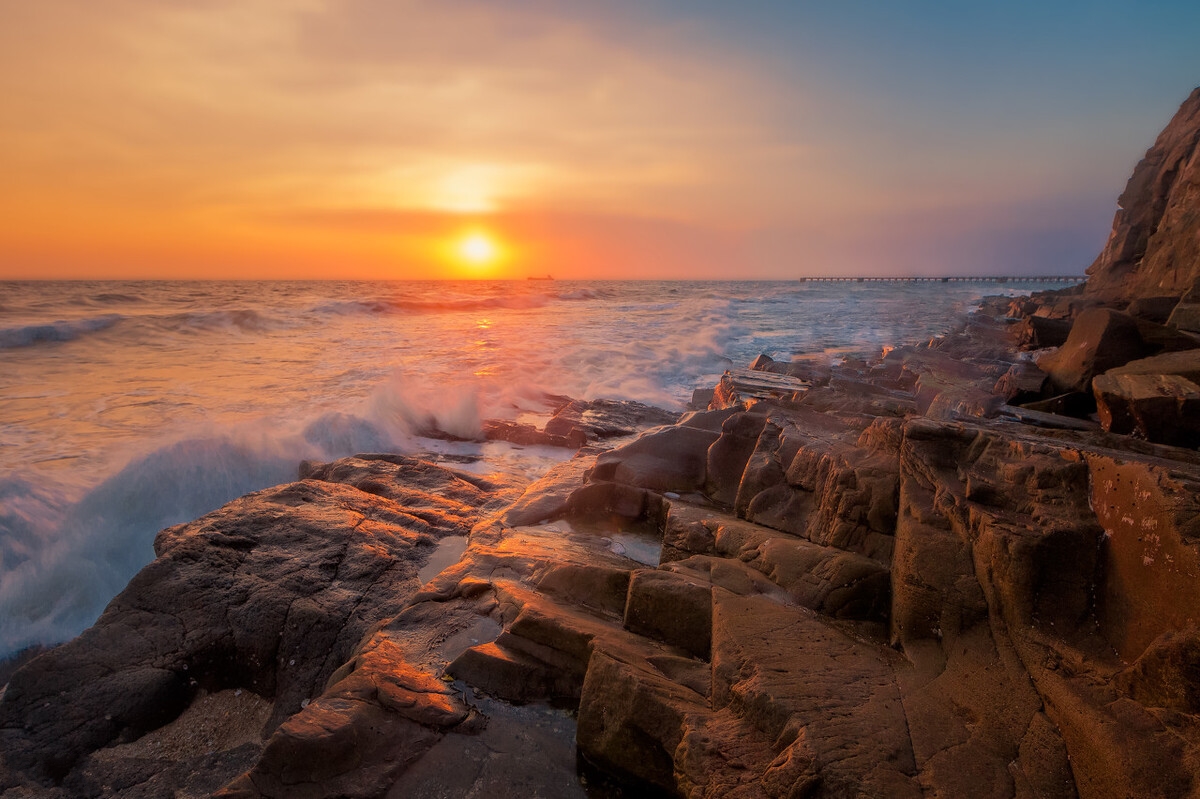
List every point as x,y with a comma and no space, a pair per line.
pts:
400,306
245,320
116,298
584,294
53,332
62,562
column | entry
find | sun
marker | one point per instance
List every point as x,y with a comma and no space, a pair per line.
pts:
477,249
474,251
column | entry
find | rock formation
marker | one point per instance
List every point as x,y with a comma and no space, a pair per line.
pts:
1154,248
877,582
957,569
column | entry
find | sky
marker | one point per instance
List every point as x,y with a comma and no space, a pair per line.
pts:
690,139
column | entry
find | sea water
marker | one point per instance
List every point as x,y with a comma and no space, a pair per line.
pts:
126,407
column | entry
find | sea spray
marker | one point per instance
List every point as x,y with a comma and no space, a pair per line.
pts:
86,552
61,561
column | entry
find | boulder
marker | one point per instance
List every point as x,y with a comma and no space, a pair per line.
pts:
813,371
1166,338
1186,314
745,387
728,455
632,719
668,459
528,435
1038,332
688,531
1023,382
1100,339
378,715
669,607
701,399
824,479
762,363
1157,407
548,496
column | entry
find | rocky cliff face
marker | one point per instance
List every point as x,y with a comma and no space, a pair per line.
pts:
1154,248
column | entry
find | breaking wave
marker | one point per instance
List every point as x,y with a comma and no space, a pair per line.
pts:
62,330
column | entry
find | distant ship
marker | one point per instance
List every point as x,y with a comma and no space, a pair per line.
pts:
540,277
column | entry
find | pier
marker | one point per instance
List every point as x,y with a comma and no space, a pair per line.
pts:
950,279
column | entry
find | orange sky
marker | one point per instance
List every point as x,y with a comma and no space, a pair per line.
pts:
362,138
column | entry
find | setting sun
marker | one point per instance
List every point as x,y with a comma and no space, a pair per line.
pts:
477,249
476,252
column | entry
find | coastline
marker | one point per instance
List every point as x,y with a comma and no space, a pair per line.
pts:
95,460
969,567
852,560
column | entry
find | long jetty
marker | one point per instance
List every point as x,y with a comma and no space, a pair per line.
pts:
949,279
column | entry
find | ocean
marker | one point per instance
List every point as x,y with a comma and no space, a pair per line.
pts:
126,407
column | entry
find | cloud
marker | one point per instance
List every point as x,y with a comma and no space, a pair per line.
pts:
243,101
694,132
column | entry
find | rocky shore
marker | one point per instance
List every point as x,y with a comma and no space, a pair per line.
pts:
967,568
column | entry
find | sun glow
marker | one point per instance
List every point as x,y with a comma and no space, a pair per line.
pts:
476,252
477,249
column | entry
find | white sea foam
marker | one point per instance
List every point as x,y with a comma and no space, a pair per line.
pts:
76,558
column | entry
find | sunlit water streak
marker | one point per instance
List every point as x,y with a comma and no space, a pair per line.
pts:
129,406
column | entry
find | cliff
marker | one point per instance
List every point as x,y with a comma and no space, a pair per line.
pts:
1154,248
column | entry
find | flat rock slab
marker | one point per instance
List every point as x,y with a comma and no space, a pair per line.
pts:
747,386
